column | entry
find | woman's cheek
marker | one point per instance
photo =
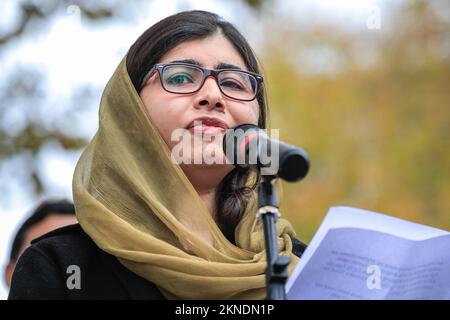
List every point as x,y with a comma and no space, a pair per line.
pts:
252,116
242,113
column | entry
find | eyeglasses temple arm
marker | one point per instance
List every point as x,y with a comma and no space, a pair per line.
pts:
147,76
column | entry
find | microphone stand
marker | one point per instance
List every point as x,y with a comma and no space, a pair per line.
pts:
276,272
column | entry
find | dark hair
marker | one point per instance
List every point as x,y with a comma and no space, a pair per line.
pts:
40,213
233,193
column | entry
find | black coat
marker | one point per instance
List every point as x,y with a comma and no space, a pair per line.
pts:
43,271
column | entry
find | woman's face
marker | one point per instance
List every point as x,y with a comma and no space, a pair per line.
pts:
170,111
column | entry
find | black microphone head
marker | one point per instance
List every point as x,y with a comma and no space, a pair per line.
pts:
294,164
247,144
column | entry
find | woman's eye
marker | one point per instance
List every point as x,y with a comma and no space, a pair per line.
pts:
179,79
231,84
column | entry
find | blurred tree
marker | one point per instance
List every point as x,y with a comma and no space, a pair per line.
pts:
372,110
256,4
23,95
31,11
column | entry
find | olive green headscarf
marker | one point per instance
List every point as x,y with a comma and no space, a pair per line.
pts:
138,205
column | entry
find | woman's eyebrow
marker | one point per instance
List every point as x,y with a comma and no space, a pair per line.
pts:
190,61
220,65
227,66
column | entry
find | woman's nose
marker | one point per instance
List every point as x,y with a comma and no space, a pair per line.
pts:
209,95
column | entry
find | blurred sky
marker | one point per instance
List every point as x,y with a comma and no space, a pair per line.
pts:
74,54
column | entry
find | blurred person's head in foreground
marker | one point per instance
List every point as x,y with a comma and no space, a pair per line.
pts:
48,216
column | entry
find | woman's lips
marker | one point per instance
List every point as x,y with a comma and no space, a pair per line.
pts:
205,129
208,125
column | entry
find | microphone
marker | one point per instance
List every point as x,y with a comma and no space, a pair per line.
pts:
248,145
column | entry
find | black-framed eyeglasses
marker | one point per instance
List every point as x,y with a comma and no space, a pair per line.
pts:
185,78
